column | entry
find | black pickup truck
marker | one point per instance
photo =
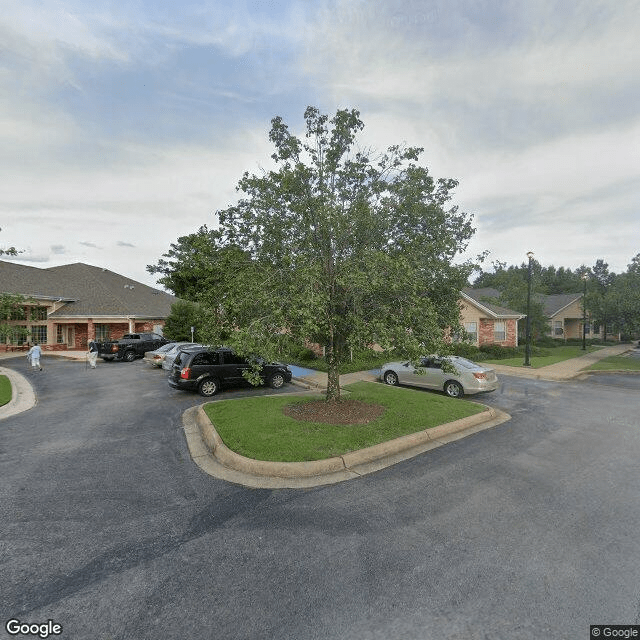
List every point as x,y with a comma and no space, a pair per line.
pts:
130,346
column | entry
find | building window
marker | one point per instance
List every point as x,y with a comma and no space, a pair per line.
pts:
499,331
39,334
38,313
102,332
558,328
587,328
60,334
471,329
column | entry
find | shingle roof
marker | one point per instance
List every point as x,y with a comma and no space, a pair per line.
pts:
486,297
90,291
556,302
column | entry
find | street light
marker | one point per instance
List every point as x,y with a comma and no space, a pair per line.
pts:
585,277
527,349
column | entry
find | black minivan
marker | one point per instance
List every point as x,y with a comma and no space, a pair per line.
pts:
208,370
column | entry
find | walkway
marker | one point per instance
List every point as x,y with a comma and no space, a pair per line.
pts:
566,369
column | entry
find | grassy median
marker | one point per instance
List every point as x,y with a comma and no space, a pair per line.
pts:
5,390
557,354
257,427
616,363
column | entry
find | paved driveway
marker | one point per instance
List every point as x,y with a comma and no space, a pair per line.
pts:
528,530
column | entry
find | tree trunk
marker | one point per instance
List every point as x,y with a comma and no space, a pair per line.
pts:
333,383
333,371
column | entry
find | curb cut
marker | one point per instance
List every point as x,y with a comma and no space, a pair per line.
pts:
210,453
23,396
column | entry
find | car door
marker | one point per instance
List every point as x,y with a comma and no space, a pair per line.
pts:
233,366
429,375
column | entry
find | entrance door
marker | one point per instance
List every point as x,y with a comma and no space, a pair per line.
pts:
71,337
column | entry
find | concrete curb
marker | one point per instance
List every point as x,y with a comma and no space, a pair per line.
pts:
23,396
211,454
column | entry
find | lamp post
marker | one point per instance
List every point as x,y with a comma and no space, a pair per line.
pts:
584,311
527,349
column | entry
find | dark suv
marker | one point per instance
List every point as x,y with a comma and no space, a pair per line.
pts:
207,370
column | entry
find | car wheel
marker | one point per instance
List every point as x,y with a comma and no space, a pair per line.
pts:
453,389
208,387
276,381
129,356
391,377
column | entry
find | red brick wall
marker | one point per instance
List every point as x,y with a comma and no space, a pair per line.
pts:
147,327
81,338
486,334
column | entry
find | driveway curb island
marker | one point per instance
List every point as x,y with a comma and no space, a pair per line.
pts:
211,454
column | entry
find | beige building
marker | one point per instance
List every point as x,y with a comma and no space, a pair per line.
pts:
566,315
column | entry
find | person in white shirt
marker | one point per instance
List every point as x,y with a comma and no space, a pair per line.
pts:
34,355
92,354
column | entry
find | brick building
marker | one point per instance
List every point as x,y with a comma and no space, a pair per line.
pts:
486,322
69,305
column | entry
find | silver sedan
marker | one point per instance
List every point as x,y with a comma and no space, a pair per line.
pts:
170,356
468,378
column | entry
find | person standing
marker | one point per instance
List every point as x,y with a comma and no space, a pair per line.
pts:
92,354
34,355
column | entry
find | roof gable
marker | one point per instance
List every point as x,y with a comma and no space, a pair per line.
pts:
483,300
89,290
555,303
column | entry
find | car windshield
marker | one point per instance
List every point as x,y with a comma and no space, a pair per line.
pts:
165,347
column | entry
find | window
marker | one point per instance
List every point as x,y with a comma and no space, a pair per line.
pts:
39,334
102,332
499,332
206,357
471,328
558,328
60,335
232,358
38,313
587,328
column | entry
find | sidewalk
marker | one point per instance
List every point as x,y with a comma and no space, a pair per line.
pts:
565,370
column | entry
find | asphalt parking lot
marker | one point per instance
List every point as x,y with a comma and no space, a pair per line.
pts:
527,530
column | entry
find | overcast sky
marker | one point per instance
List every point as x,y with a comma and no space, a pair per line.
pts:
125,125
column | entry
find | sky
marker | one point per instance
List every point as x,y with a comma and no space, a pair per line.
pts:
125,125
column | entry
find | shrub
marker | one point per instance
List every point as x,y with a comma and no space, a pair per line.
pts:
465,350
498,352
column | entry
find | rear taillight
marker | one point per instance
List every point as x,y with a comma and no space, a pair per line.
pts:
185,373
157,357
480,376
114,348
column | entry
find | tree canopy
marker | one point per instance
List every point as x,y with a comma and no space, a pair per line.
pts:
337,245
612,300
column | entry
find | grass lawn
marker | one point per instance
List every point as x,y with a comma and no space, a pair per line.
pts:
257,428
618,363
5,390
558,354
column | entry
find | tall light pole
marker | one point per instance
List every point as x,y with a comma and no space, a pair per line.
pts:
585,277
527,348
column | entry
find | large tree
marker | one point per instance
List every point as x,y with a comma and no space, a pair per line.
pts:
196,262
341,246
601,299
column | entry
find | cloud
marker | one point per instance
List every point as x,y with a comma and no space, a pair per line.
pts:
58,249
121,243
